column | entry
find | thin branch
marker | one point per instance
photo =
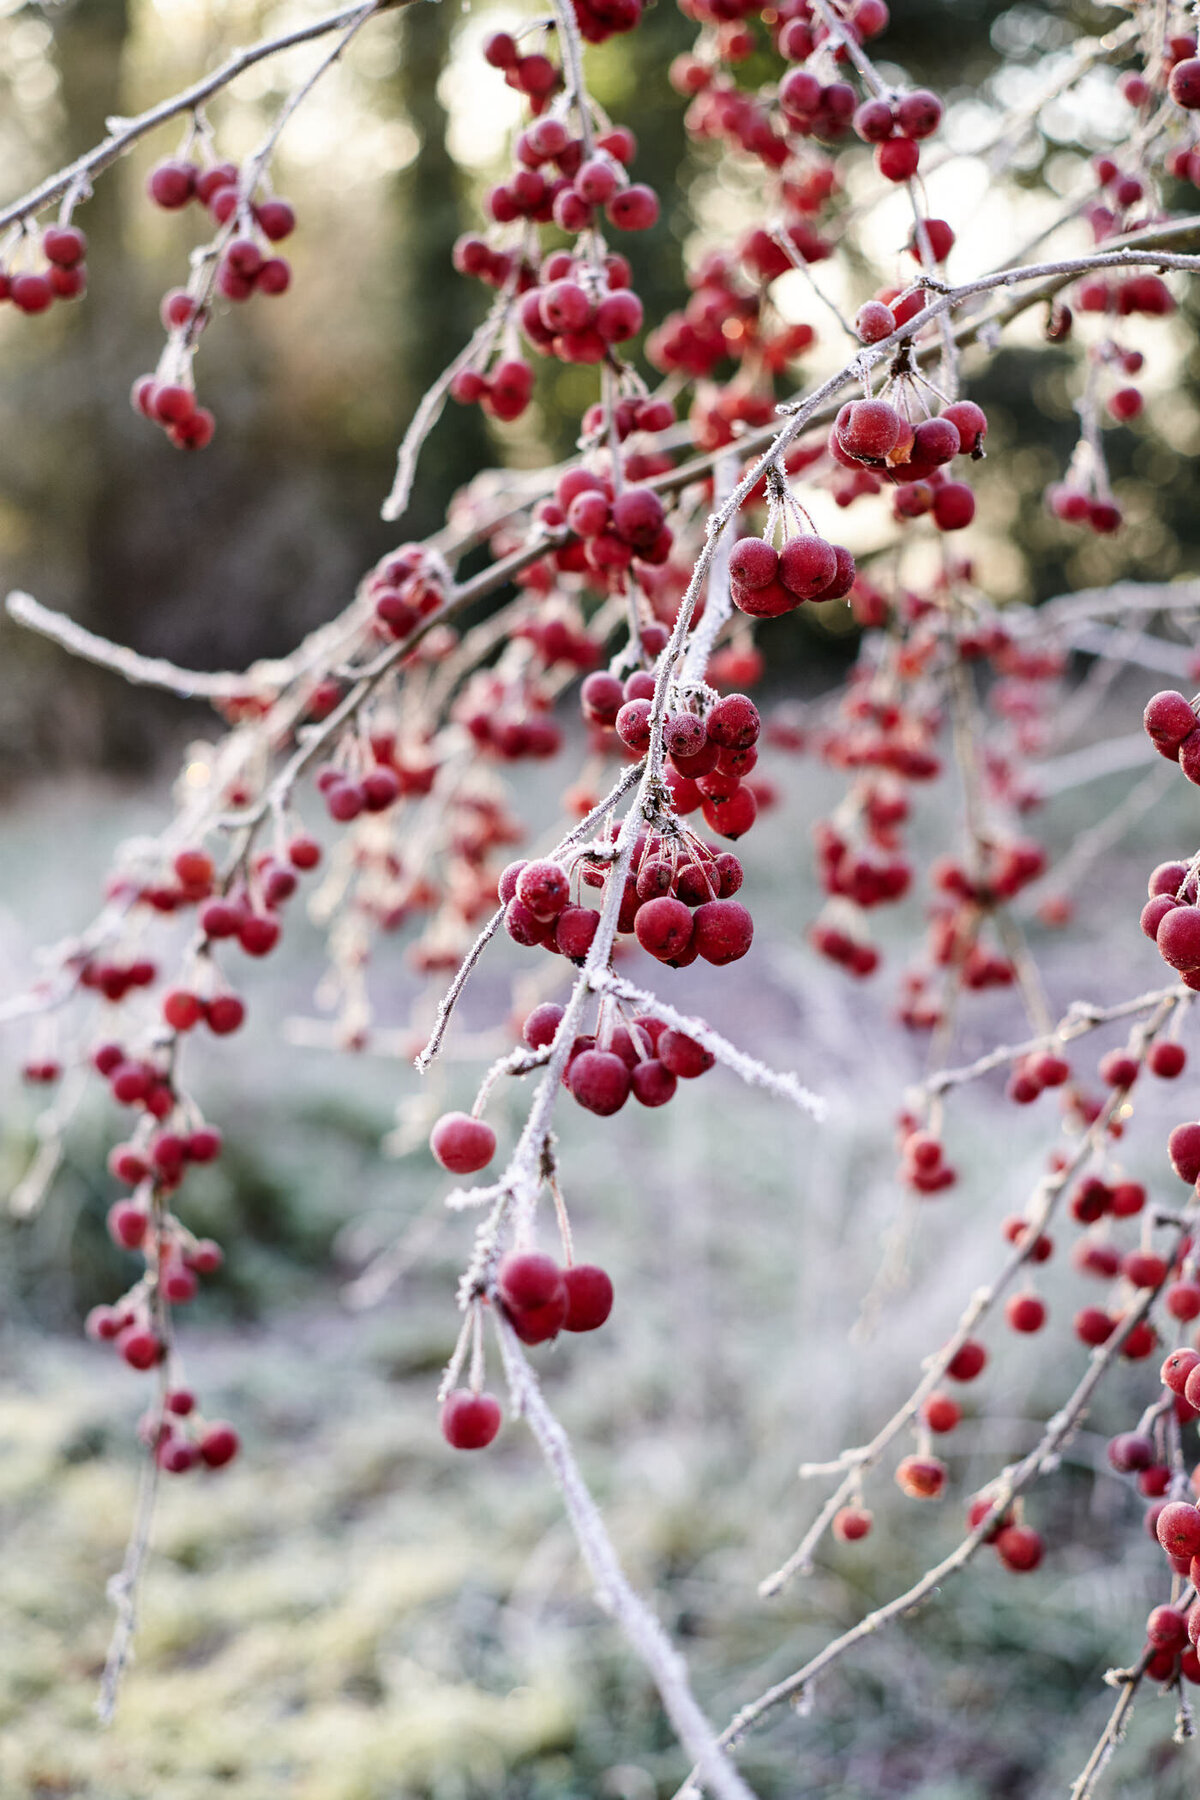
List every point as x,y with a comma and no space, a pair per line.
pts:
142,671
429,410
612,1587
756,1074
1080,1017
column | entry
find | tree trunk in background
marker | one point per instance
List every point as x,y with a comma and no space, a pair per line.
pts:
436,309
94,484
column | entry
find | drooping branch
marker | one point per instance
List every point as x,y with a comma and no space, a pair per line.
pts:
612,1587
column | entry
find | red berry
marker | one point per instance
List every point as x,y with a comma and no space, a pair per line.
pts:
470,1421
869,429
534,1295
599,1081
142,1349
1176,1369
602,698
653,1083
1178,1529
953,506
544,888
182,1009
219,1444
922,1477
970,421
1167,1628
874,321
919,114
277,219
723,931
968,1361
1130,1451
1166,1060
941,1413
589,1297
1025,1312
664,928
753,562
683,1056
1178,938
1168,720
171,184
30,293
64,245
1020,1548
462,1144
1184,84
540,1027
850,1523
635,208
733,723
806,566
225,1014
897,159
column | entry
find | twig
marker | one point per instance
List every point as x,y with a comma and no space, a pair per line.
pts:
612,1587
754,1073
142,671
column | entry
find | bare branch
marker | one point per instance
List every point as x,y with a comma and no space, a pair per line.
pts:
613,1591
754,1073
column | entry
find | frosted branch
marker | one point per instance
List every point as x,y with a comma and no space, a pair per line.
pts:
756,1074
143,671
613,1591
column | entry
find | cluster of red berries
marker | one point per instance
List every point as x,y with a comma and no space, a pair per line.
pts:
1019,1547
173,183
873,435
572,316
245,267
64,278
724,319
767,583
113,980
646,1059
181,1441
923,1165
923,1476
615,528
896,129
677,903
711,759
172,404
539,1299
856,874
405,587
585,181
508,717
128,1326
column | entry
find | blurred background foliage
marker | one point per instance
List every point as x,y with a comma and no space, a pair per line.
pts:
350,1614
